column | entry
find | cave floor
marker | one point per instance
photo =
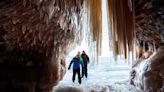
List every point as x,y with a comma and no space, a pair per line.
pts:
106,76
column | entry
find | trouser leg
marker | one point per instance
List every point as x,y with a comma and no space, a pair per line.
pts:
86,72
79,77
83,71
74,74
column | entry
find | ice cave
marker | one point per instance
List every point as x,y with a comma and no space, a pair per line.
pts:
124,40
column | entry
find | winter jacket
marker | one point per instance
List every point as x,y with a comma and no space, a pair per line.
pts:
76,63
85,59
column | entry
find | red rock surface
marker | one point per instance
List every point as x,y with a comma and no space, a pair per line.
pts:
148,74
148,71
149,20
36,36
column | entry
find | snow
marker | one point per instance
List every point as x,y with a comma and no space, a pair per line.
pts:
106,76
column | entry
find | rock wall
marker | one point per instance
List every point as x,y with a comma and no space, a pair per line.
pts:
35,36
147,72
149,21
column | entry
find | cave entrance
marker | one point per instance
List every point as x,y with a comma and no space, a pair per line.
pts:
108,71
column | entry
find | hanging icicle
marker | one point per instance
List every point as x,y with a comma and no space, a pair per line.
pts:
95,22
121,25
154,48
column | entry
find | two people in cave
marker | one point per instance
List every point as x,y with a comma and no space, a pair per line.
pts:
79,60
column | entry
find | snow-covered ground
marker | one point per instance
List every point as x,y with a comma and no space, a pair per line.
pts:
106,76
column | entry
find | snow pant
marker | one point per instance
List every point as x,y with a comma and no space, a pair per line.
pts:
76,71
84,72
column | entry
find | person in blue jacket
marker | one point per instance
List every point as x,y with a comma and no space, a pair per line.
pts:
77,62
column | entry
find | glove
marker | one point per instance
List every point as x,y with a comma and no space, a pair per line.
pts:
68,68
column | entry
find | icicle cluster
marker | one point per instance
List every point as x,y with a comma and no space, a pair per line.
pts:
121,26
95,26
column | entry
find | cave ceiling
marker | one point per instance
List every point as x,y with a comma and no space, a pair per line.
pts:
40,25
36,22
149,21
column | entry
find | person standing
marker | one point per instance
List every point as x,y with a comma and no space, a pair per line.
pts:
85,61
76,61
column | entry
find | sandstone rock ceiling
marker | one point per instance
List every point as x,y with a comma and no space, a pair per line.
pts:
32,25
149,21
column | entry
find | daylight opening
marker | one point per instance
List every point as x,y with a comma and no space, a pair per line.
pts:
107,71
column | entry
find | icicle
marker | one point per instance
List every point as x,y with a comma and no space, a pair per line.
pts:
46,53
30,30
67,13
34,41
18,39
40,1
50,9
46,18
154,46
144,47
41,14
24,2
95,23
23,29
130,5
28,41
121,24
14,21
116,51
20,44
32,45
22,48
13,29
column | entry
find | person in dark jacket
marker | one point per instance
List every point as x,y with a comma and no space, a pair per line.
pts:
76,61
85,61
